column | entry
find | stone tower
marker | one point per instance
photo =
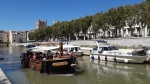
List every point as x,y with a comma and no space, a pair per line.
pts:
55,21
41,24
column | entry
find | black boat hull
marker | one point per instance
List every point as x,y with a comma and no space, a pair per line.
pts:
59,66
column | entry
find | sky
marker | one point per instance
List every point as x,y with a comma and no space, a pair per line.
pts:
22,14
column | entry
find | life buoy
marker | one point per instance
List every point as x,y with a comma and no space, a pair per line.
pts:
126,60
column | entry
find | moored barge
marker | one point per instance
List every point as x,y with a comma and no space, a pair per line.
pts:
60,64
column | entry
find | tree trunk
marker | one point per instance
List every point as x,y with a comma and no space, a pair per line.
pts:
116,32
94,35
104,34
69,37
123,33
84,36
131,31
76,38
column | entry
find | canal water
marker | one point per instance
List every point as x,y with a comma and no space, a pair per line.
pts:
87,72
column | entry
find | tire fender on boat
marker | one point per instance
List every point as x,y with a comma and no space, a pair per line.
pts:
126,60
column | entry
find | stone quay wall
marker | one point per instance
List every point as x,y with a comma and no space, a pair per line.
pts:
128,42
117,41
113,41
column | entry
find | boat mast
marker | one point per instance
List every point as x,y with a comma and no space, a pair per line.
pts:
61,48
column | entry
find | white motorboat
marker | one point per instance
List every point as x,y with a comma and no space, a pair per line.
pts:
66,47
112,53
75,49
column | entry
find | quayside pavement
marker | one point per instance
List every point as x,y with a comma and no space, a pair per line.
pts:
3,78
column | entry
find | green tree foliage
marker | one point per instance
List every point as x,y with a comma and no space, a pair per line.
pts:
132,16
115,18
145,13
76,27
31,36
84,24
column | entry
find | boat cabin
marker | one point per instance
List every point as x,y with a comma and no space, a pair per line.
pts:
110,50
106,48
72,47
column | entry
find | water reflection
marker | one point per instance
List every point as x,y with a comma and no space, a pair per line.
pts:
120,72
12,50
11,61
12,68
34,77
89,72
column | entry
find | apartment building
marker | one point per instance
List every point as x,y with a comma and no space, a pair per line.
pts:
137,31
22,36
6,37
1,36
12,36
17,36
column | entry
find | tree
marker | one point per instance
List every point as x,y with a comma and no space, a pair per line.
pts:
57,30
67,30
85,24
75,27
117,18
96,23
100,21
48,33
31,36
105,25
41,34
145,14
132,15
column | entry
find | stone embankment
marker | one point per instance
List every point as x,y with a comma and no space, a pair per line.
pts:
129,42
20,44
114,41
117,41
